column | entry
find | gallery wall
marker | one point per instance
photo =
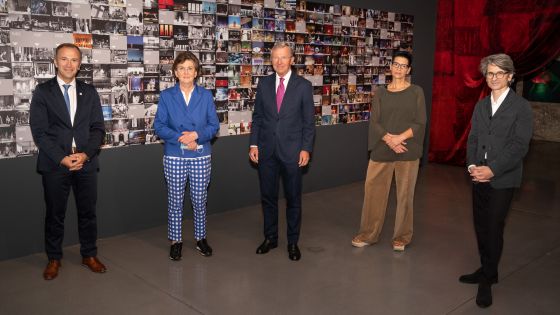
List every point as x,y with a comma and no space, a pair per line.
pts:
128,48
131,189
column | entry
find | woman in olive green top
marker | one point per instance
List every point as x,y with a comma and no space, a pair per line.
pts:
396,135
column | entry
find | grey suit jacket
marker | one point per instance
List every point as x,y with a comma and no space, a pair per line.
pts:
504,137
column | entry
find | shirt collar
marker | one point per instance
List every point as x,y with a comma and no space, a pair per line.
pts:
61,82
501,98
286,76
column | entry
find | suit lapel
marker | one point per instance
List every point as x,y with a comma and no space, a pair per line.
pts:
195,99
59,104
180,99
505,106
182,108
487,111
290,91
80,103
272,87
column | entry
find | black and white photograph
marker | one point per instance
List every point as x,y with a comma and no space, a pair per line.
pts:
122,39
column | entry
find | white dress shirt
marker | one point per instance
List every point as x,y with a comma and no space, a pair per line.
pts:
286,79
496,104
73,99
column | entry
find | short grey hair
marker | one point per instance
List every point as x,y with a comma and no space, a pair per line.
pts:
501,61
278,45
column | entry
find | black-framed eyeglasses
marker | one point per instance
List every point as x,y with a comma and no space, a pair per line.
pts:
498,75
399,65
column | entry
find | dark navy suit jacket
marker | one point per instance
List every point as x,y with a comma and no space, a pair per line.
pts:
289,131
52,128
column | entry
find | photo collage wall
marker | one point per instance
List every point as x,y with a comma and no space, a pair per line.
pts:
128,49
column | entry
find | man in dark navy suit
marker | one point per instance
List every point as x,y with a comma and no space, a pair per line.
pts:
67,126
282,134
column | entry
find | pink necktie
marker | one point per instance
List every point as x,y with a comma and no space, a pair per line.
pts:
280,94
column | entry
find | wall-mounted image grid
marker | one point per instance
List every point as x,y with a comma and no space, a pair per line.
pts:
128,49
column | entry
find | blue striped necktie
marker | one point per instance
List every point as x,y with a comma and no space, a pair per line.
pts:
67,97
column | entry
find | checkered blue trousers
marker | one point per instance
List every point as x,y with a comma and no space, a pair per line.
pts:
177,172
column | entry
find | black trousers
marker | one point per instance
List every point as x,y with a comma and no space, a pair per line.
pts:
56,187
270,171
490,209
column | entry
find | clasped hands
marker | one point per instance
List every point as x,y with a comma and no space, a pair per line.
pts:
75,161
480,174
395,142
188,138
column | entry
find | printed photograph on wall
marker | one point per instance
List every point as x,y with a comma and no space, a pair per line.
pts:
128,48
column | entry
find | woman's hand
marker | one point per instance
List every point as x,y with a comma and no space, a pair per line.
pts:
395,143
188,136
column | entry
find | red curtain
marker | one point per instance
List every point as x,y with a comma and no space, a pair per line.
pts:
467,30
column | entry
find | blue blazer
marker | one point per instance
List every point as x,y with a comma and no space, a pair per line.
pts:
504,137
52,128
289,131
173,116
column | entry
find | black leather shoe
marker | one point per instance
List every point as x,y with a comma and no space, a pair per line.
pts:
484,294
471,278
293,252
475,278
175,252
266,246
203,248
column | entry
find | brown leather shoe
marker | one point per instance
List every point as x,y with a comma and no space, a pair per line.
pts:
51,271
94,264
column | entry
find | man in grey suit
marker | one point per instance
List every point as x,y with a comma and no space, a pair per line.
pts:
281,142
502,126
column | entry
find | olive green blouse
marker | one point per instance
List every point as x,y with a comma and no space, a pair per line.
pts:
395,112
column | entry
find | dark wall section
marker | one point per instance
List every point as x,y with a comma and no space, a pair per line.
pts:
132,193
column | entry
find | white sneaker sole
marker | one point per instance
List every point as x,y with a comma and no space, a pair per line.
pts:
360,244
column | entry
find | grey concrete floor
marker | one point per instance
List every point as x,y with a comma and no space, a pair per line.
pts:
332,277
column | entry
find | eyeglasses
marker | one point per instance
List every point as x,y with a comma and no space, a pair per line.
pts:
498,75
399,65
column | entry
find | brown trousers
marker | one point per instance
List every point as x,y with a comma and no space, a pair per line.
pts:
377,187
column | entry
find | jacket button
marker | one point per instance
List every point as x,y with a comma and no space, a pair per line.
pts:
483,147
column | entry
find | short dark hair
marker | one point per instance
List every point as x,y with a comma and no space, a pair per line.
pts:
184,56
67,45
403,54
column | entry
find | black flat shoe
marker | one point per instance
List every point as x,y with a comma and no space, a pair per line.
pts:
203,248
293,252
266,246
475,278
175,252
484,294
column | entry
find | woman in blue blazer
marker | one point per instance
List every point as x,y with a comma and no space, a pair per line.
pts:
186,120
